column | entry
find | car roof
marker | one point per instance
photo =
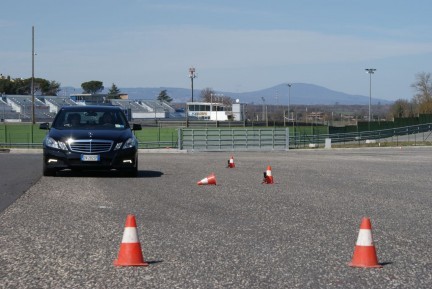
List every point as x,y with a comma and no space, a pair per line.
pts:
90,107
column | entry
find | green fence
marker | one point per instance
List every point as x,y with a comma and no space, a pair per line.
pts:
27,135
275,138
363,126
21,135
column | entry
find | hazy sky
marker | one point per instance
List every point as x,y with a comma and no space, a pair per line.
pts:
234,45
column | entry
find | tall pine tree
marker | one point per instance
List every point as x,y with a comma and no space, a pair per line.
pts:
163,96
113,92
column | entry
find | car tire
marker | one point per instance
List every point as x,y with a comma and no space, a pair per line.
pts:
48,172
133,172
130,173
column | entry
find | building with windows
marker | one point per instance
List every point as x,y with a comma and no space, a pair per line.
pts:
209,111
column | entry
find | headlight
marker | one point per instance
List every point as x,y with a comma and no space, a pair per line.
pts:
130,143
52,143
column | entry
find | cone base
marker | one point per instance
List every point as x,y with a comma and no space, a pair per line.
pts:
364,266
130,254
365,256
118,264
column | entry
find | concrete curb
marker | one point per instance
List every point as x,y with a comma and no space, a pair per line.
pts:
25,151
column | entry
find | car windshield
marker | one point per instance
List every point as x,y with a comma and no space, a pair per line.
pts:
90,119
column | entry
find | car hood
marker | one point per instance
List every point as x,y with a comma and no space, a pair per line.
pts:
77,134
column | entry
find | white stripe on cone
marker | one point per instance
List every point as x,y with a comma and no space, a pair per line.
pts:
364,238
130,235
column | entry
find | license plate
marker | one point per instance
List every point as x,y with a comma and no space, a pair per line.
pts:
90,158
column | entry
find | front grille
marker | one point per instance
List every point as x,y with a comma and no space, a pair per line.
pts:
91,146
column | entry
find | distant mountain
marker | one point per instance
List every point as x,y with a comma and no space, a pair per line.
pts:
304,94
301,94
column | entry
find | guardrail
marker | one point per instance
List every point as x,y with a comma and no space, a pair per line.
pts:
234,139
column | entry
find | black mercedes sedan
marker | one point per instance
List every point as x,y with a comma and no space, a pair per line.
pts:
90,138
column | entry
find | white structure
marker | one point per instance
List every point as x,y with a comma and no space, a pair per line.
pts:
238,111
209,111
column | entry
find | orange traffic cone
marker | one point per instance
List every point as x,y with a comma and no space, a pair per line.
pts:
210,180
364,251
130,249
268,178
231,163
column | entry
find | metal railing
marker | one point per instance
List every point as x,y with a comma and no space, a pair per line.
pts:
234,139
229,139
421,132
281,139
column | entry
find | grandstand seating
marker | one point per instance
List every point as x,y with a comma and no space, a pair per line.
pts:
133,105
156,105
57,102
6,111
23,105
46,107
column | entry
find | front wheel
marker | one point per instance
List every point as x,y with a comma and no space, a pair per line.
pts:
133,172
130,173
47,172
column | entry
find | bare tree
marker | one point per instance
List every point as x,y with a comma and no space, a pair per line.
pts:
206,95
209,95
423,88
401,108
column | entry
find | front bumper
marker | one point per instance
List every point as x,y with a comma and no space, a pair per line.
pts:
118,159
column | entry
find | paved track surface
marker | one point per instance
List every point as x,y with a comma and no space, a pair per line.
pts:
18,172
300,232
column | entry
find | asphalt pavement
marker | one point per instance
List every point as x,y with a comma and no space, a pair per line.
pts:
300,232
18,172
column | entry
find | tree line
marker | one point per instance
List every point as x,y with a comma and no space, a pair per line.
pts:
23,86
421,102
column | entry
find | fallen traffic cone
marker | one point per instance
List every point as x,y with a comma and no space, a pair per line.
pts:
130,249
364,251
268,178
210,180
231,163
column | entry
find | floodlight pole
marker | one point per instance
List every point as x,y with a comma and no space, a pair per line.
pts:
32,80
289,99
370,71
192,75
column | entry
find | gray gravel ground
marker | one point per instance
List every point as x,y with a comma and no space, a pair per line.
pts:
300,232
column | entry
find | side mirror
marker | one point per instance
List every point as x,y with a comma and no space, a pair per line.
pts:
44,125
136,126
